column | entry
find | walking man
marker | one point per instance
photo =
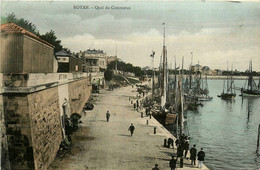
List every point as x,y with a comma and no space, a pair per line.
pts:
201,156
155,167
108,115
173,163
186,147
193,153
131,129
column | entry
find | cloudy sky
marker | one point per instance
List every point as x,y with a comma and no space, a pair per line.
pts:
215,32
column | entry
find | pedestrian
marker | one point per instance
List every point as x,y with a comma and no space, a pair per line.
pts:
201,157
186,147
131,129
155,167
108,115
137,105
170,142
193,153
134,105
177,142
173,163
179,151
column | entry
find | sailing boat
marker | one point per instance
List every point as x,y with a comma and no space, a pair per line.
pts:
230,92
160,108
202,92
251,89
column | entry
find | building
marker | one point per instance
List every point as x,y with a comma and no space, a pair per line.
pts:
206,70
111,59
196,68
22,45
95,60
218,72
68,63
34,100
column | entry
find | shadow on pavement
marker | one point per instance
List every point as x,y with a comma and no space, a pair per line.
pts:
124,135
102,120
170,154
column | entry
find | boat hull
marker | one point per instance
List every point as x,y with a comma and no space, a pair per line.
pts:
204,98
228,96
250,93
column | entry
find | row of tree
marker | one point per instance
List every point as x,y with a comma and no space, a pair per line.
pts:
126,67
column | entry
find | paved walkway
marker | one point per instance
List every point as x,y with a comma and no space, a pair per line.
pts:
108,145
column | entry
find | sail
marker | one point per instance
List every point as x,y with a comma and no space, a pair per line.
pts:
164,86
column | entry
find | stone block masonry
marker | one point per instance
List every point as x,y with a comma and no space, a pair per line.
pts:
18,130
31,117
45,121
79,93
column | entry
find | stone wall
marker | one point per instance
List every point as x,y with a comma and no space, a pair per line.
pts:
46,133
5,164
79,92
31,115
18,130
32,118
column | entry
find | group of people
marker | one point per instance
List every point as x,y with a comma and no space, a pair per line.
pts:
138,104
182,148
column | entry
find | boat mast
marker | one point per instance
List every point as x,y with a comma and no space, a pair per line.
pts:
164,71
181,99
152,55
227,78
231,79
250,79
175,99
190,70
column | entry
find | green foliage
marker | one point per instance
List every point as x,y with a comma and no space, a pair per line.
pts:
51,38
24,23
108,74
127,67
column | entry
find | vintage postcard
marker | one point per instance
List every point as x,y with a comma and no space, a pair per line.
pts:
120,85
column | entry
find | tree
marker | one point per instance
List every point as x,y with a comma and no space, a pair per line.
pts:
51,38
108,74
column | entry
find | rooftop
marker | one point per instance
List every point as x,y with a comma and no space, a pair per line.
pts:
94,51
62,53
11,28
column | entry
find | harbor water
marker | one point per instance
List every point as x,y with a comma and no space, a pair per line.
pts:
226,130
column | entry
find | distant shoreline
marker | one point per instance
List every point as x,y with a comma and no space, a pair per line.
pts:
234,77
223,77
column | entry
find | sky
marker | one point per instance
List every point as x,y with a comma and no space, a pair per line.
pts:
211,33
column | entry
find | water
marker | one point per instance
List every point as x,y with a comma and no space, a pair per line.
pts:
227,130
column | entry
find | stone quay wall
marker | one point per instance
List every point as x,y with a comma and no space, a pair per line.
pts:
79,93
31,115
45,119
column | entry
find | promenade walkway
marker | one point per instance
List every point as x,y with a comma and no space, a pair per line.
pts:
103,145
